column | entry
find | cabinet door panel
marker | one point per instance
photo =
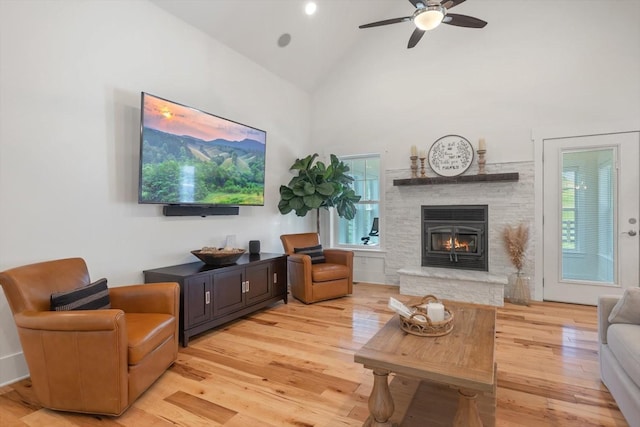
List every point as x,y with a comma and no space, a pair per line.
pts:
279,277
259,278
228,296
197,304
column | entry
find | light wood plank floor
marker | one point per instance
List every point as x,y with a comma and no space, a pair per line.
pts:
292,365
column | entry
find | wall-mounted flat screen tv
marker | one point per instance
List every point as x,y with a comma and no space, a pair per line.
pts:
190,157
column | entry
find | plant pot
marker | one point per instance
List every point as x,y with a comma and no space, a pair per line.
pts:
518,289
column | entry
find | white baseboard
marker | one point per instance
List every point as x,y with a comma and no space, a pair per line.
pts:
13,367
368,277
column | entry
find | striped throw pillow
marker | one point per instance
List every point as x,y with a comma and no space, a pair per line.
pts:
94,296
315,252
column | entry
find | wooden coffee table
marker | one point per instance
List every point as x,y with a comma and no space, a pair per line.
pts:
458,367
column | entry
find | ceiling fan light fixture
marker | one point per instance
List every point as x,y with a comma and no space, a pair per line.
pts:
429,17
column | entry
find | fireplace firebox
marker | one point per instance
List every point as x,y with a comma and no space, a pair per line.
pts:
455,237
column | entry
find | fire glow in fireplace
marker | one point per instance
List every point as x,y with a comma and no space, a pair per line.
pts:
455,237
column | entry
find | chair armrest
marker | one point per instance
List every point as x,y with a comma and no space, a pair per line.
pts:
72,321
299,271
77,359
299,258
605,305
301,265
147,298
339,256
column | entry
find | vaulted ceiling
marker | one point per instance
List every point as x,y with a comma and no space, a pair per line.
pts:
318,42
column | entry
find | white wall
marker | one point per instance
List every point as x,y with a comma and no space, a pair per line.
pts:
534,66
70,81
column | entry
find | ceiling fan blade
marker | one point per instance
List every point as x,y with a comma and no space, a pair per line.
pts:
451,3
415,2
463,21
415,37
386,22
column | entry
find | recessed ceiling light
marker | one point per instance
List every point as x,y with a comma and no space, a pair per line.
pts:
284,40
310,8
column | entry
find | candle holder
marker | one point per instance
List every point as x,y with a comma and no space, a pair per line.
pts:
414,166
481,162
423,174
421,324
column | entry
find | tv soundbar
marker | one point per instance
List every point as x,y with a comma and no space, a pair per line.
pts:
182,210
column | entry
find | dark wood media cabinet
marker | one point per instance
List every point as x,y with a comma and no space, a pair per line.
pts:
211,296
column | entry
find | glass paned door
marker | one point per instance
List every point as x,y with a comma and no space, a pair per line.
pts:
591,208
588,197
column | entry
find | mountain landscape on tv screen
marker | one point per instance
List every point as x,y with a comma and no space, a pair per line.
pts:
181,169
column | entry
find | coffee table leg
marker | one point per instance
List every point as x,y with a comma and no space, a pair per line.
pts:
380,402
467,414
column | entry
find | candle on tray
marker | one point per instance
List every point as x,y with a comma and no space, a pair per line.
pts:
435,311
414,151
482,144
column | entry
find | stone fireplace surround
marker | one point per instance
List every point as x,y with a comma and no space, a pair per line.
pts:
509,203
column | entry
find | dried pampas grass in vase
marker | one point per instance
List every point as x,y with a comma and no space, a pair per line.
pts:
515,241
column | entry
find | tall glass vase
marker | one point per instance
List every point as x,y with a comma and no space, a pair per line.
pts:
519,292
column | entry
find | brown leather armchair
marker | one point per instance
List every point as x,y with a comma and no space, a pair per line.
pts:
317,282
91,361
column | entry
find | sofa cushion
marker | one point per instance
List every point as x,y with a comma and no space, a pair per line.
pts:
94,296
315,252
624,342
145,332
627,309
328,271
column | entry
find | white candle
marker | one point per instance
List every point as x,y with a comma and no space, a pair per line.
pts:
482,144
435,311
231,242
414,150
423,154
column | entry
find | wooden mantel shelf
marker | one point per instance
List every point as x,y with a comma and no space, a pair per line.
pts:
489,177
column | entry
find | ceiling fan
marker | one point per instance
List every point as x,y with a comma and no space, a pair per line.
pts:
428,15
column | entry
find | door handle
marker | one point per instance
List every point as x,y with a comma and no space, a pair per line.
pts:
630,232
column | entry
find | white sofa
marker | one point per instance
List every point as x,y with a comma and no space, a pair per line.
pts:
620,359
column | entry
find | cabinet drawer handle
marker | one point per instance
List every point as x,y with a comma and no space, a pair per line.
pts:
207,297
275,277
245,287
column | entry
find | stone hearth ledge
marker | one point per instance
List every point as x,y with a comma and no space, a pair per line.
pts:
477,287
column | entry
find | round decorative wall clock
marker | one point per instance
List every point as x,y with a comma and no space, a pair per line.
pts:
451,155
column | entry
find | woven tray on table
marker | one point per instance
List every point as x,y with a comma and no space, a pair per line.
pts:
416,326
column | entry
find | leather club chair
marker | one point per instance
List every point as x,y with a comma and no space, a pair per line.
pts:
317,282
91,361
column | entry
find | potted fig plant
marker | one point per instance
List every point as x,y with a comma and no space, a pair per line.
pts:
319,186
